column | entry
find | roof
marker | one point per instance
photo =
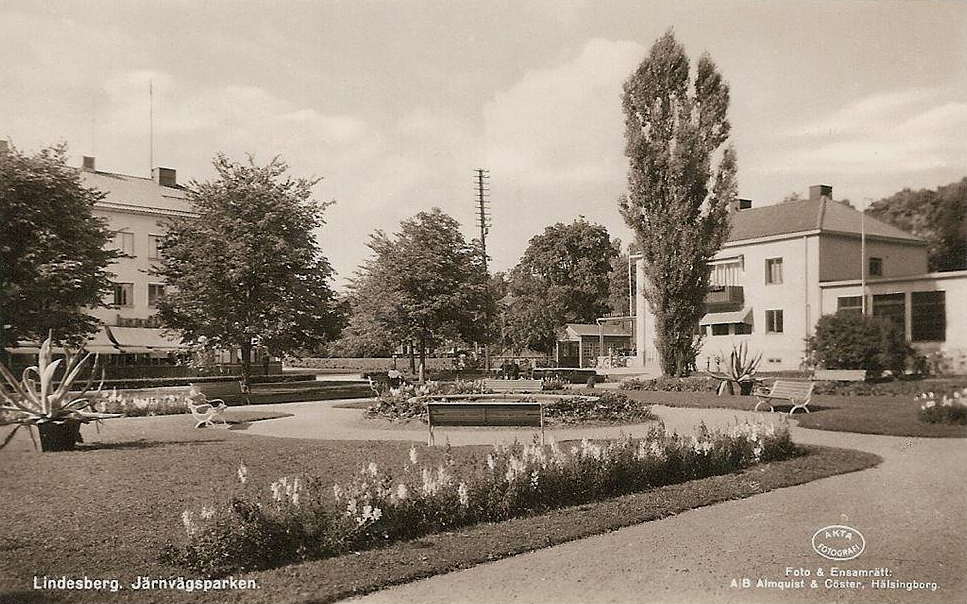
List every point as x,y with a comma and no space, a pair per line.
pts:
136,194
823,214
132,339
583,329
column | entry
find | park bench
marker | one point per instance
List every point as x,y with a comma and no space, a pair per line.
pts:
484,413
206,411
514,385
797,393
840,375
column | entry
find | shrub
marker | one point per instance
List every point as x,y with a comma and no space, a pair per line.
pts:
948,410
553,384
302,518
848,341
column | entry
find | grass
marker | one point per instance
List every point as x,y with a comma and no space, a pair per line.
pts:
107,509
888,415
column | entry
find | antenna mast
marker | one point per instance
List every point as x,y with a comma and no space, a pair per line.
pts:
150,126
483,208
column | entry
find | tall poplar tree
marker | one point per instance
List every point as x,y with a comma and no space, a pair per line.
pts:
677,204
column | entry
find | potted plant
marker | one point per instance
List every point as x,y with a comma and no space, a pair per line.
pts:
38,400
739,375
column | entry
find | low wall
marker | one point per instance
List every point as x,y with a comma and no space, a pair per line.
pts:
362,364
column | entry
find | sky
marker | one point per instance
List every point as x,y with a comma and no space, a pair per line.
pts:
394,104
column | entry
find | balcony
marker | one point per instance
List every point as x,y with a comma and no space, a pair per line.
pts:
724,298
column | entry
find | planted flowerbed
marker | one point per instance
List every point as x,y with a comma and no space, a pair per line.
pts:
608,406
943,409
306,517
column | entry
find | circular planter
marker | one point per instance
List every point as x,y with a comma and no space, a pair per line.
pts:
58,437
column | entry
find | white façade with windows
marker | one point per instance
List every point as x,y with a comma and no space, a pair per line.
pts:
784,266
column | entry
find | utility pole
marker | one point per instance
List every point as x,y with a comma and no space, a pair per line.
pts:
483,208
483,221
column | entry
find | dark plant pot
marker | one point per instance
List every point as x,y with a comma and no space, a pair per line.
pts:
58,437
746,387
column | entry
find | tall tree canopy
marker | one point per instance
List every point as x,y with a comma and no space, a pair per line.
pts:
53,261
676,204
248,271
939,216
563,277
425,284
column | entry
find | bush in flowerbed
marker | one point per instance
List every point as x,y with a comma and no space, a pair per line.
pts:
672,384
892,387
947,410
304,518
606,407
139,406
553,384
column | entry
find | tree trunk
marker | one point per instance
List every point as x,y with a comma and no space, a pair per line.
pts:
412,358
247,366
422,361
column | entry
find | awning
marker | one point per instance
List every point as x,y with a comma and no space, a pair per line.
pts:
717,318
146,339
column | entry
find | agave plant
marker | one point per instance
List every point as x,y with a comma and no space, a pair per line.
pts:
739,371
38,400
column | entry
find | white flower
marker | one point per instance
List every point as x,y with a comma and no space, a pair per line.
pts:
207,512
413,457
402,492
376,514
190,527
337,492
490,462
463,494
242,473
373,470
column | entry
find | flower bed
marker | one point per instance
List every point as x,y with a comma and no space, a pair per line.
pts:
667,384
145,403
948,410
410,404
306,517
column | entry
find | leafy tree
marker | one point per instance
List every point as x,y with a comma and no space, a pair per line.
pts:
563,277
678,208
425,284
851,341
939,216
53,261
248,271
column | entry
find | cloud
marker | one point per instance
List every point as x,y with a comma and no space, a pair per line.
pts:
903,131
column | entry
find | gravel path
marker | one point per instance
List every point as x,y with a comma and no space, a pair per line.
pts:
912,511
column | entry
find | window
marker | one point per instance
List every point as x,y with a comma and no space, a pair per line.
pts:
773,321
154,245
876,267
891,306
773,271
124,242
928,321
743,329
849,305
720,329
155,291
124,294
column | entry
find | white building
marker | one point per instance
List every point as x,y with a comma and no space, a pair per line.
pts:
786,265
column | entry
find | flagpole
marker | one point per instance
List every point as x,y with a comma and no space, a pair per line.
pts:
863,253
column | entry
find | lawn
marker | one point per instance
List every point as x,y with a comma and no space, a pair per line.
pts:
106,510
889,415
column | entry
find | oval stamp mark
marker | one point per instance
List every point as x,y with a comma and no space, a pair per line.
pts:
838,542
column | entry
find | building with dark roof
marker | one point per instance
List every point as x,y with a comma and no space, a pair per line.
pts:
783,266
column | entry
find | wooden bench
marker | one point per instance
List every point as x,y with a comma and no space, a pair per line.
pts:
514,385
797,393
229,392
840,375
473,413
206,411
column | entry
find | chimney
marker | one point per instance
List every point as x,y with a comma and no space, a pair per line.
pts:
817,191
87,164
745,204
4,146
164,177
